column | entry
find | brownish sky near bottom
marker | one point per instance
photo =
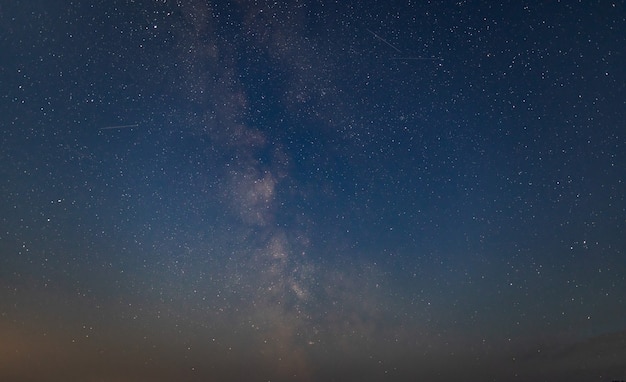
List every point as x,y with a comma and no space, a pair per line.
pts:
27,355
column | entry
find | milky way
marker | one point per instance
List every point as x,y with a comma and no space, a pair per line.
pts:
301,191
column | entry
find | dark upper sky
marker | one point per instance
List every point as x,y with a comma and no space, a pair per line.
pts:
312,191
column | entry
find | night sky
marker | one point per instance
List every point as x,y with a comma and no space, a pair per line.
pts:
312,190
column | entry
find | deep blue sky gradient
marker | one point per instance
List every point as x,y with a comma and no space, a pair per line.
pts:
309,191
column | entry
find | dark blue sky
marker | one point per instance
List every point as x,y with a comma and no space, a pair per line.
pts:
307,191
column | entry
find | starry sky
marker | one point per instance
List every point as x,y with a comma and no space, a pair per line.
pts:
312,190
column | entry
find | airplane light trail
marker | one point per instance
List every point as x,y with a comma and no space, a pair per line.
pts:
385,41
416,58
118,127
